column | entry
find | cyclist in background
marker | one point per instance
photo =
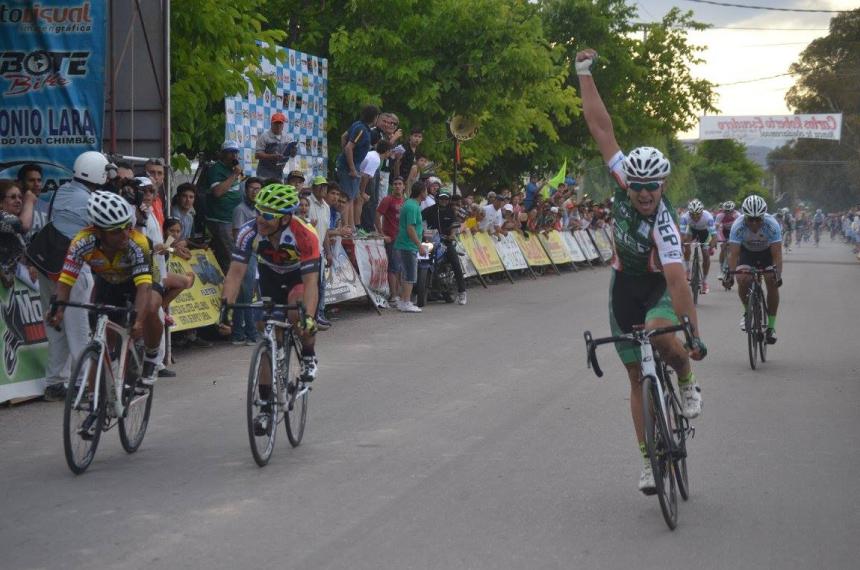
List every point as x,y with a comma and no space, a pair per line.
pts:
724,222
787,225
817,223
288,256
756,241
648,284
698,224
120,259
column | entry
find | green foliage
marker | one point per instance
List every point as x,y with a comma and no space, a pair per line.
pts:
723,172
828,82
213,43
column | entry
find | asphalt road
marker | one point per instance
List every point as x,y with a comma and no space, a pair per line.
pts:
471,437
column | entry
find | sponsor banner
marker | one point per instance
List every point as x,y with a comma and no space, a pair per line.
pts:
466,263
373,269
341,280
509,252
604,246
585,245
532,250
200,305
825,126
481,250
25,345
301,93
573,247
553,243
52,84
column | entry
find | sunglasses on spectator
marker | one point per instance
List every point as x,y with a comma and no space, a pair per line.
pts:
158,161
640,186
269,216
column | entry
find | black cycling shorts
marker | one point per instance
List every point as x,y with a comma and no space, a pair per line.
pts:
634,300
757,259
277,286
701,236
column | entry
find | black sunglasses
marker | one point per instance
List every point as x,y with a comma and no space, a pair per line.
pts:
754,219
640,186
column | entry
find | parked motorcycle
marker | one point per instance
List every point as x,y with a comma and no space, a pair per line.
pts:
436,278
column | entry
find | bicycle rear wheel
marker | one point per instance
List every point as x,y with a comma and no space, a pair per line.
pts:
137,403
82,422
658,444
751,325
296,411
262,441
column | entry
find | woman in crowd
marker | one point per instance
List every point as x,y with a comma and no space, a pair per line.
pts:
13,213
174,283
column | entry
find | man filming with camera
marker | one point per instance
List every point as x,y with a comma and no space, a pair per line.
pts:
223,194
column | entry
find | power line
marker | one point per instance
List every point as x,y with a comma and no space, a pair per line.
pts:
727,5
753,80
738,28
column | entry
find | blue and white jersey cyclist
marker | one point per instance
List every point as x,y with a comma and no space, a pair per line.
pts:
756,241
648,284
698,224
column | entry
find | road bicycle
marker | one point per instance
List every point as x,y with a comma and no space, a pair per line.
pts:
105,388
755,319
697,275
286,399
666,428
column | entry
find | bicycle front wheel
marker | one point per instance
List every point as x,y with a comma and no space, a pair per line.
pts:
658,444
262,409
83,418
296,411
751,325
137,404
762,339
677,428
695,278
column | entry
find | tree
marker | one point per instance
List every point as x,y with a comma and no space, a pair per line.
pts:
826,173
723,172
213,44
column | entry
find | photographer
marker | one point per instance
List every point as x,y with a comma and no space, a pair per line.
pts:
223,194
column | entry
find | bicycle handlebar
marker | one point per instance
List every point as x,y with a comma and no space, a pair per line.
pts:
269,307
637,337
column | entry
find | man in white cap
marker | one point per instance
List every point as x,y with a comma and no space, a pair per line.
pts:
433,185
223,194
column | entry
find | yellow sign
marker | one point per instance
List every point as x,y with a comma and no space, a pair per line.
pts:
555,247
532,250
200,305
480,249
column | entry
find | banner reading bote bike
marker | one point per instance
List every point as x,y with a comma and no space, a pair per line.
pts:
52,87
826,126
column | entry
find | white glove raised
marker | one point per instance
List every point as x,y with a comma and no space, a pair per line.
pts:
584,67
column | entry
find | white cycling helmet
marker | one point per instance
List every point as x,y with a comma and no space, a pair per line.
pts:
646,164
91,166
754,207
108,210
728,206
818,211
695,206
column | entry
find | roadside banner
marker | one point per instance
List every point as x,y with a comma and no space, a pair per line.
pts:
554,245
200,305
480,249
604,246
52,84
585,245
824,126
25,345
532,249
509,252
373,269
341,280
465,262
573,247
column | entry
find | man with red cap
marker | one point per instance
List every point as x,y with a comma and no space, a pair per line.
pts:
271,150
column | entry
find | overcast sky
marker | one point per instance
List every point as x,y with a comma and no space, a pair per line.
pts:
740,55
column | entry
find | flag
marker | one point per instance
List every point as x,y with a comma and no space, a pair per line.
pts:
554,181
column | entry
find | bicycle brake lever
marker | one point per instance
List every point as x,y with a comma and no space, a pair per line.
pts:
592,355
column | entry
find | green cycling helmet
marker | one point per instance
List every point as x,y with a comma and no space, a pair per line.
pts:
281,198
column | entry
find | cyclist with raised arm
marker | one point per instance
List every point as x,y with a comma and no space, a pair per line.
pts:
288,256
648,283
698,224
756,241
724,222
120,259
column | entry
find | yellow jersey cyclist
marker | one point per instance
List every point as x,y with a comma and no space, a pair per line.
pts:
756,241
120,259
698,224
648,280
288,256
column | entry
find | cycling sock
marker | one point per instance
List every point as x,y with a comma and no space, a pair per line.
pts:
308,351
771,322
688,379
151,355
643,450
